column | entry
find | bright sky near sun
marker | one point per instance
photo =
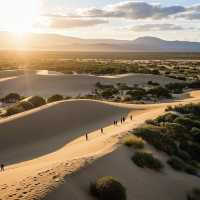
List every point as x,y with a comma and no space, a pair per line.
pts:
120,19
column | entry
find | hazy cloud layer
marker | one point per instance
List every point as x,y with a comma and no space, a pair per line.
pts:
64,23
156,27
141,10
192,13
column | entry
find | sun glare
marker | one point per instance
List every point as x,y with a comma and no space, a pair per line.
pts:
19,16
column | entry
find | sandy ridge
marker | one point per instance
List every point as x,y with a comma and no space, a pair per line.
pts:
37,177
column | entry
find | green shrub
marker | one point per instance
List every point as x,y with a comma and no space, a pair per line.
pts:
25,105
186,122
191,108
133,141
12,97
54,98
194,194
36,101
168,117
14,110
108,188
184,155
191,170
195,132
176,163
157,137
144,159
160,92
180,165
191,148
177,131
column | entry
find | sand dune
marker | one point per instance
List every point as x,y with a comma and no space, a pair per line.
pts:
65,152
72,85
43,130
141,184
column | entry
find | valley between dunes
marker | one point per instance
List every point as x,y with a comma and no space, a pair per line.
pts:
47,156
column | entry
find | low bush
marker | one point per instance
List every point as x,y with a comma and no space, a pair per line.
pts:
11,98
194,194
144,159
184,155
191,108
180,165
157,137
56,97
195,132
25,105
108,188
177,132
133,141
36,101
159,92
191,170
176,163
168,117
192,148
13,110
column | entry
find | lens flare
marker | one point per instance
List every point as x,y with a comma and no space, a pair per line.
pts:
19,15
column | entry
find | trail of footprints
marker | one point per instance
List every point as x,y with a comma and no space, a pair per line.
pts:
36,187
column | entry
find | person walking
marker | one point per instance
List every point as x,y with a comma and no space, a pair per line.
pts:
131,117
124,119
101,130
2,167
86,136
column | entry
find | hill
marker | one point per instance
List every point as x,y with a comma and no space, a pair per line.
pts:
55,42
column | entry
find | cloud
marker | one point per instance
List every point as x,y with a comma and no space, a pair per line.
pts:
64,23
156,27
135,10
132,10
55,21
192,13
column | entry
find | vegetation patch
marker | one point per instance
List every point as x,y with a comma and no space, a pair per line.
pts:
178,134
56,97
194,194
147,160
36,101
133,141
108,188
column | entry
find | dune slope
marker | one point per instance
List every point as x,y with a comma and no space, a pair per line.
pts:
43,130
141,184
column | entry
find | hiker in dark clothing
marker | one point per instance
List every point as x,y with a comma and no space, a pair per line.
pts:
2,167
101,130
124,119
86,137
131,117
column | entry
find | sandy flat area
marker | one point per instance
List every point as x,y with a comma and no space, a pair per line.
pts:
43,149
30,83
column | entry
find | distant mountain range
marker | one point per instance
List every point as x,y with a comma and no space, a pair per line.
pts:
55,42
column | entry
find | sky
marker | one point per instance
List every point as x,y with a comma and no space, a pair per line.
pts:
116,19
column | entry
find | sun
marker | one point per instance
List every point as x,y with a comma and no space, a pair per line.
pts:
19,15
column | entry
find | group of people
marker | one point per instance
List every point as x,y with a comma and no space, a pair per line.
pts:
86,135
123,119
